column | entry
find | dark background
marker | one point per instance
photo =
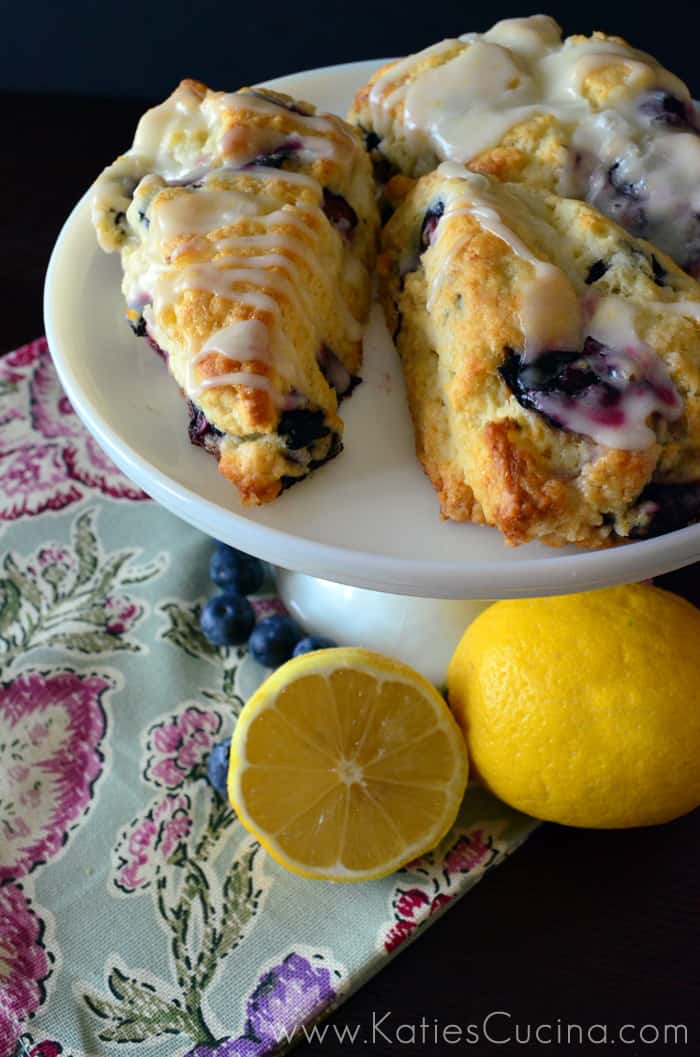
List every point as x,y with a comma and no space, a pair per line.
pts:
142,48
584,927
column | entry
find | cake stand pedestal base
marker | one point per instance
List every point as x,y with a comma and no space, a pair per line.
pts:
422,632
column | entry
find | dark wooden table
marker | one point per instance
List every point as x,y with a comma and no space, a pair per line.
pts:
578,927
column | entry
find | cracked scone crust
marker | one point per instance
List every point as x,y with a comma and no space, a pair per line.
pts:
552,362
247,226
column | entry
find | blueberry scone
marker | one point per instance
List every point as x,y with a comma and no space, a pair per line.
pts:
586,117
552,362
247,225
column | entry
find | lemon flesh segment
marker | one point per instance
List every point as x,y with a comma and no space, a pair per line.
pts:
346,765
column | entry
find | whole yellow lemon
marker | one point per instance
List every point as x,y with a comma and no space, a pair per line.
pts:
585,709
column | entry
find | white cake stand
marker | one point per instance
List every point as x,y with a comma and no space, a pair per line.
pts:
361,551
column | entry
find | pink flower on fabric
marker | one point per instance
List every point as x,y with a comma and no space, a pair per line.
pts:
27,354
56,555
412,906
146,846
47,455
411,901
25,964
51,729
179,745
47,1048
471,850
52,413
86,462
121,614
32,480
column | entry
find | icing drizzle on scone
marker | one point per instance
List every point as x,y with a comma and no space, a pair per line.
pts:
583,366
629,135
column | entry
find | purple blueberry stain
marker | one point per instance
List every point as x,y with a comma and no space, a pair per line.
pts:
291,105
340,213
335,372
429,225
275,159
564,374
155,346
201,432
662,108
604,393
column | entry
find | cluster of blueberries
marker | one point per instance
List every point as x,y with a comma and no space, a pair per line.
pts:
228,619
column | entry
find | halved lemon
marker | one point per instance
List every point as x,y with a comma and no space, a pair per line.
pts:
346,765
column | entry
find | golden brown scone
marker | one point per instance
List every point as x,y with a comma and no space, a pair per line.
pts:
586,117
247,228
552,362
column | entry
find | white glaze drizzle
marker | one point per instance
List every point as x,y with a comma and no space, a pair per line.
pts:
550,314
520,68
691,309
254,271
553,318
198,212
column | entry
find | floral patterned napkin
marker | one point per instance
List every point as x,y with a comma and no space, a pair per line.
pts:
136,914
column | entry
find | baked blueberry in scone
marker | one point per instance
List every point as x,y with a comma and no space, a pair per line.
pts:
247,225
585,117
552,362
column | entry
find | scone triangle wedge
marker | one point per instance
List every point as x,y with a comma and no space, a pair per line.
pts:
552,362
246,224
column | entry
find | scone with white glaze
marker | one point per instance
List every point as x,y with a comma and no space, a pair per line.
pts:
552,362
585,117
247,227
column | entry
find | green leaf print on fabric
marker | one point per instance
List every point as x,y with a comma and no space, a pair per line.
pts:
68,597
137,1012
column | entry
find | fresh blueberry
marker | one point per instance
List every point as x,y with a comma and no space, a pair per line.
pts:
313,642
273,640
217,766
227,619
236,571
430,223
